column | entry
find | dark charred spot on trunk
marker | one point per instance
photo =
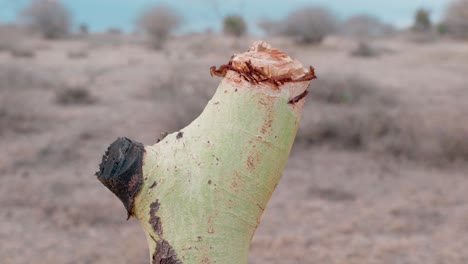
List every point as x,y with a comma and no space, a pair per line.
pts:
121,170
154,220
180,135
165,254
153,185
163,136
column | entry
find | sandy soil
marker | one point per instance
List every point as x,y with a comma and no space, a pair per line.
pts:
332,205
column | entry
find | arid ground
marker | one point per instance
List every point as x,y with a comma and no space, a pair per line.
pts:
379,172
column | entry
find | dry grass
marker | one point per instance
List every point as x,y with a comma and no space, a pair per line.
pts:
347,90
22,52
15,76
365,50
364,27
74,96
15,81
349,189
12,120
77,54
10,36
347,127
421,37
183,91
355,113
454,145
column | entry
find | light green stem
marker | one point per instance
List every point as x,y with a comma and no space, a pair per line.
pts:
206,186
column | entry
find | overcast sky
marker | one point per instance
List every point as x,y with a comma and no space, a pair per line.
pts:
202,14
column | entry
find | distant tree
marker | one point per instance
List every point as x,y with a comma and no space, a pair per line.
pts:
83,29
234,25
50,17
456,19
159,22
365,26
422,21
309,24
442,28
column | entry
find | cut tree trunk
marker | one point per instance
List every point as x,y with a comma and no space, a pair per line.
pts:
200,192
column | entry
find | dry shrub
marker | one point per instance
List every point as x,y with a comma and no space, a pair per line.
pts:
355,113
421,37
183,92
348,112
159,22
305,25
365,50
345,126
22,52
78,93
456,19
49,17
14,81
77,54
437,142
310,24
348,90
13,120
74,96
18,77
365,27
454,144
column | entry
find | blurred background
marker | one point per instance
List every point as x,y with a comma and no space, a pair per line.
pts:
379,170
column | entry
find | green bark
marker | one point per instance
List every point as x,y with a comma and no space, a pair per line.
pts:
202,190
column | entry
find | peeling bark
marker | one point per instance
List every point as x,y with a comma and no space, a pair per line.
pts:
154,220
164,254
